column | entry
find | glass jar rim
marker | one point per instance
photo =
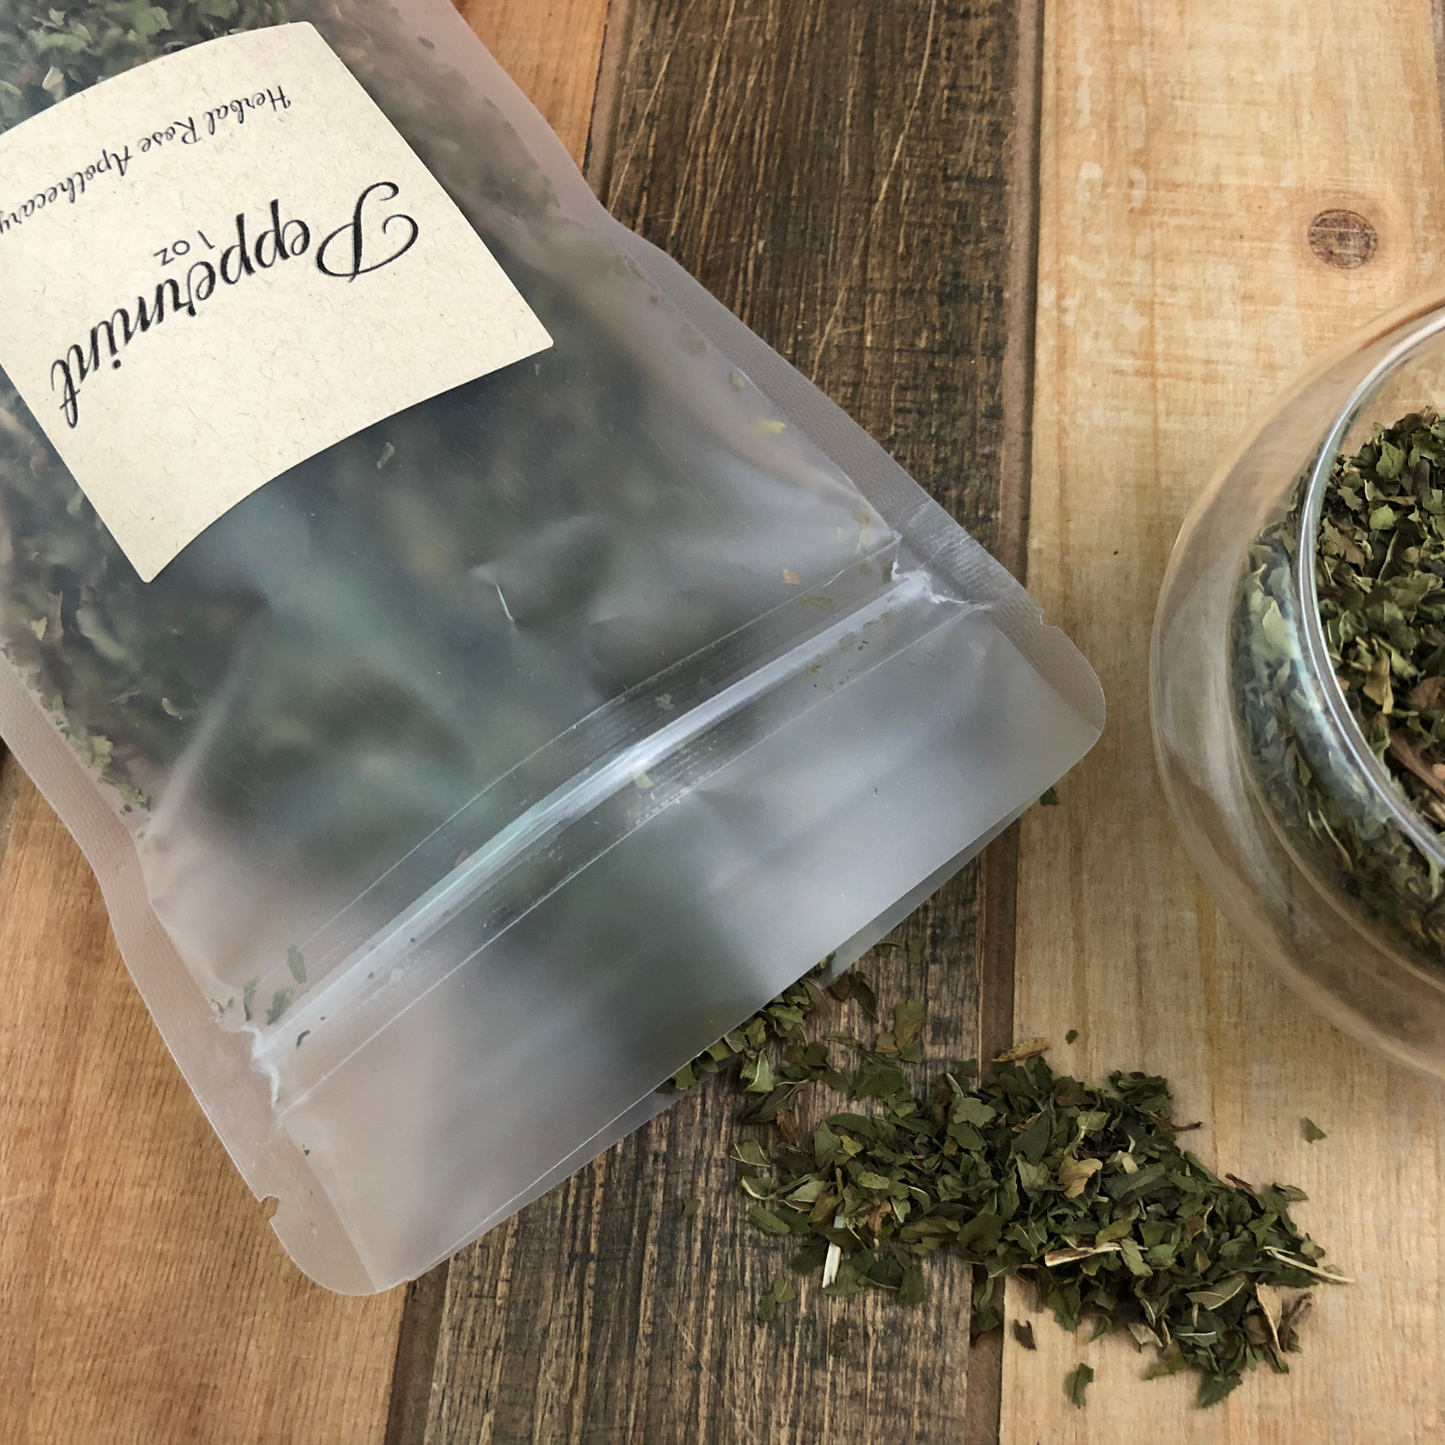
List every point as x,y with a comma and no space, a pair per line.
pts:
1415,334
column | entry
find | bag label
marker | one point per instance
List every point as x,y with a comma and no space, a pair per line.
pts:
220,264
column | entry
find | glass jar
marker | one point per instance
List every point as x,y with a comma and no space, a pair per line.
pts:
1307,843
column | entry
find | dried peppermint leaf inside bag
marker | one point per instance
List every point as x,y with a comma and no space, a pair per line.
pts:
321,680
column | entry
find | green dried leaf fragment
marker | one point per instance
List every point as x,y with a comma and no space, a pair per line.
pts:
767,1222
867,1001
1134,1259
908,1024
1117,1230
1216,1387
1074,1174
150,20
1076,1382
757,1075
1171,1362
751,1153
1213,1299
1024,1049
781,1293
1034,1139
969,1108
1034,1179
878,1079
980,1235
1292,1318
912,1290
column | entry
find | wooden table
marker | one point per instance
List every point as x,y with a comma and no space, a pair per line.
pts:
874,185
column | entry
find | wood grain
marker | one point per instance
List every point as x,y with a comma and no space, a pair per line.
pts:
552,49
1186,149
142,1296
839,176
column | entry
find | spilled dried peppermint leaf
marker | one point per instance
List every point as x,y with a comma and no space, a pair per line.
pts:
1025,1049
1077,1381
1080,1188
783,1292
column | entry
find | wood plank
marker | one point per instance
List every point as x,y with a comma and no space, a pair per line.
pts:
1185,150
142,1296
840,178
552,49
145,1299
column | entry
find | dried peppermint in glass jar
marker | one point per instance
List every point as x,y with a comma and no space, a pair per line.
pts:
1298,677
1378,567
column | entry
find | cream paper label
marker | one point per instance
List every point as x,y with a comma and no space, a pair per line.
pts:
221,263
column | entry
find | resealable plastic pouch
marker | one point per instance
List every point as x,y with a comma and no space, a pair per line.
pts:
480,671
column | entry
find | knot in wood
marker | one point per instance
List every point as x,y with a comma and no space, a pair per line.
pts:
1343,238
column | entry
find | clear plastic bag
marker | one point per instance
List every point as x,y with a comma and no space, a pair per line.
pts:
458,786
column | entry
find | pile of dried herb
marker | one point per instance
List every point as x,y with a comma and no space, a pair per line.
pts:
1082,1189
1380,579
